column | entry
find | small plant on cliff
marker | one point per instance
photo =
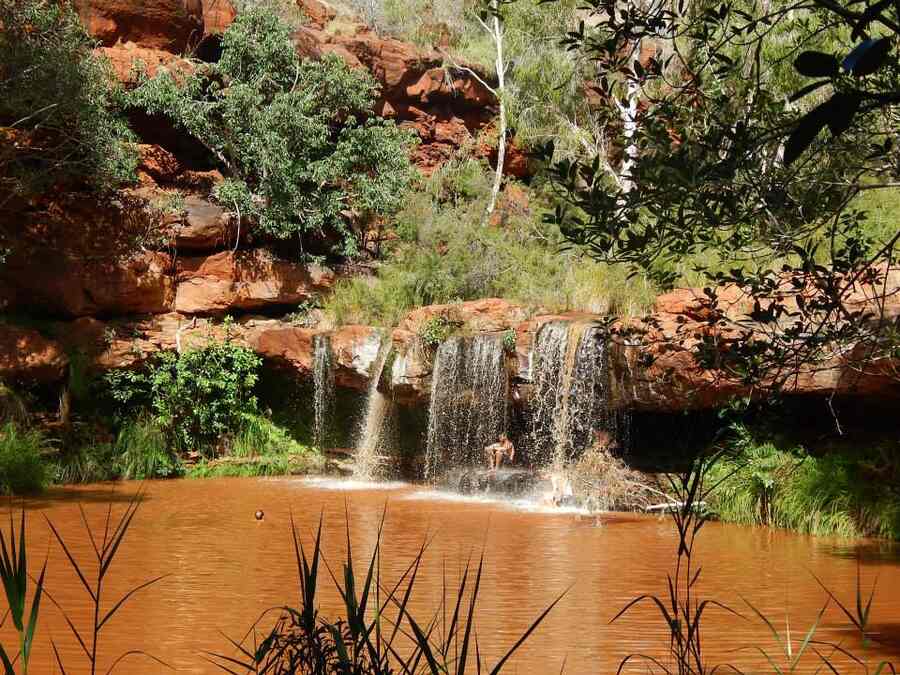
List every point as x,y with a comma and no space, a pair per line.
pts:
297,140
58,116
437,329
196,397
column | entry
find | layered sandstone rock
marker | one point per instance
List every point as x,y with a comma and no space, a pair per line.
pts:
53,283
246,280
27,356
168,25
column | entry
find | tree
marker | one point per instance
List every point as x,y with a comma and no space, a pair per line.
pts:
59,103
296,138
732,177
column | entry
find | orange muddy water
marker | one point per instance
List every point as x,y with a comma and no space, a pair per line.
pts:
224,568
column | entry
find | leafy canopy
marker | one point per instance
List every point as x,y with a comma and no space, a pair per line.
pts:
58,103
722,163
296,138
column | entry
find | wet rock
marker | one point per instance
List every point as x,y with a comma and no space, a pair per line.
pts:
510,482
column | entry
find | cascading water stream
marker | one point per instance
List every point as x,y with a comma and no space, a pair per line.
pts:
570,399
323,389
372,431
468,408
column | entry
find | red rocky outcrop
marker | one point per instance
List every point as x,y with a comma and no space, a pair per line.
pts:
26,355
246,280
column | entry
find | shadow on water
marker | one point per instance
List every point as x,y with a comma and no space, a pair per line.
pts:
869,553
115,493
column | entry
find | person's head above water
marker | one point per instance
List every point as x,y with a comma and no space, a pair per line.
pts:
259,515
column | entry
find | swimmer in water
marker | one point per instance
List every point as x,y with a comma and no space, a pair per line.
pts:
497,452
259,515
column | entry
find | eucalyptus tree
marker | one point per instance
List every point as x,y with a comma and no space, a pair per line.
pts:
297,140
726,170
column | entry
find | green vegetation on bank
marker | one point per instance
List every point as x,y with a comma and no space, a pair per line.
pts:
765,481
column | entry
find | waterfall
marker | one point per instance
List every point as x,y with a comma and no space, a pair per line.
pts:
371,435
571,388
468,411
323,393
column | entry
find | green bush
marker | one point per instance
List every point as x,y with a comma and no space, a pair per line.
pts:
296,138
142,452
22,466
765,484
88,463
196,397
55,89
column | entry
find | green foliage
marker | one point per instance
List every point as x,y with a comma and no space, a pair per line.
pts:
91,462
22,466
445,254
437,329
143,452
763,483
14,575
196,397
61,98
260,448
297,141
509,341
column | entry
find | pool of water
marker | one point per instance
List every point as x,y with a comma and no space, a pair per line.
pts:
224,568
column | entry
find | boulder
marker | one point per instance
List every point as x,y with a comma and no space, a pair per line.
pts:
26,355
246,280
169,25
489,315
355,350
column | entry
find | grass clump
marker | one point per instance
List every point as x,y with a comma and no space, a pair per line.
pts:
142,452
764,483
23,469
260,448
444,254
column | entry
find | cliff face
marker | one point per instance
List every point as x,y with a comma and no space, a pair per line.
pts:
120,279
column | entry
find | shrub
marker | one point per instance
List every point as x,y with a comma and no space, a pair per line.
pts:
60,98
88,463
196,397
22,466
143,452
766,484
445,254
437,329
296,139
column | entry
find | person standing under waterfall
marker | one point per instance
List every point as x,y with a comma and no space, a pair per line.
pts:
497,452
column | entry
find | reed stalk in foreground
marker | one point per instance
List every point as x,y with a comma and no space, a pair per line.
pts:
367,640
683,611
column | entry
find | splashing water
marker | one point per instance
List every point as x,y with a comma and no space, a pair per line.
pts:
371,437
468,408
323,382
571,391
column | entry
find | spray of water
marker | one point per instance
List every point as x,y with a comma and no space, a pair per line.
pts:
323,392
373,431
468,408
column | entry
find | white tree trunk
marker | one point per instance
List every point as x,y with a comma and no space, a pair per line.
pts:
500,67
629,113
